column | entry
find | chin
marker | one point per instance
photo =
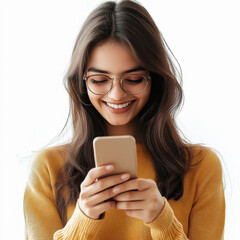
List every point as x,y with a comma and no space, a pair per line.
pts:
116,124
117,121
128,122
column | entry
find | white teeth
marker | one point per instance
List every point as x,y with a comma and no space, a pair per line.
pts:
119,106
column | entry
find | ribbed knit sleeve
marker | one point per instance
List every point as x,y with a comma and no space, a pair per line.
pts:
207,214
166,226
41,215
198,214
79,227
207,217
42,220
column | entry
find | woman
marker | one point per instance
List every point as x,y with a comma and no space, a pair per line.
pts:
122,82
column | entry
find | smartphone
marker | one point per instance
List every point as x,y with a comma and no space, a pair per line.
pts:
117,150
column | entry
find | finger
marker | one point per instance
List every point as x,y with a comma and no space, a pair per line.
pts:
131,196
106,183
97,210
131,205
100,197
96,173
135,184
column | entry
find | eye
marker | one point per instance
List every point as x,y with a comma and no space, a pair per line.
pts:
95,81
98,80
134,79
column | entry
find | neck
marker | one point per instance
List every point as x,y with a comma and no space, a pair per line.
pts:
129,129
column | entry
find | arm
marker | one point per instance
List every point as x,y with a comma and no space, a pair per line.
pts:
42,219
93,202
206,219
207,216
41,214
140,198
166,226
79,227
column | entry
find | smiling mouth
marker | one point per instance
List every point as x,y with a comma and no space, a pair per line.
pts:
119,106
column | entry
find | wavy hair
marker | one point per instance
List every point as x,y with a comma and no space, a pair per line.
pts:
129,24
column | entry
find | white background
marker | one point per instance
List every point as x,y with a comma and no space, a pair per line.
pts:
36,41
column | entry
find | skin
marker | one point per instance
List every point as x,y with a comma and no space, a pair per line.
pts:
140,198
116,61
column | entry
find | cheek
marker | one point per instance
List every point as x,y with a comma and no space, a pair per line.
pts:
94,99
91,97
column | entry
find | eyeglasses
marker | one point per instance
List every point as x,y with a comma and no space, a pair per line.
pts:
100,84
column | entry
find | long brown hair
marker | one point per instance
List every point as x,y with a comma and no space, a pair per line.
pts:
128,23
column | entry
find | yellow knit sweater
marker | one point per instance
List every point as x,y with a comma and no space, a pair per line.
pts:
198,215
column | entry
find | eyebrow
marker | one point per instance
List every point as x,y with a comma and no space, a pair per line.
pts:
93,69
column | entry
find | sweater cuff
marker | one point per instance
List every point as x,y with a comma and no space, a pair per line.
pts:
79,226
165,223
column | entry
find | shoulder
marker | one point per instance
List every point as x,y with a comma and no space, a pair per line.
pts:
205,165
48,160
206,157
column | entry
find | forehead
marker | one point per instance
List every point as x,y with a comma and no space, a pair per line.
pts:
112,57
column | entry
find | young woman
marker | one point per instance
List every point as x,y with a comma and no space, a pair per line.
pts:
121,81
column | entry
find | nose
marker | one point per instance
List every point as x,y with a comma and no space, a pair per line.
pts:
117,93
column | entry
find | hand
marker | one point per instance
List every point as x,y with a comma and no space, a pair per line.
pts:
95,194
140,198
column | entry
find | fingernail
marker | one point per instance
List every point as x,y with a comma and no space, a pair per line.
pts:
125,176
109,167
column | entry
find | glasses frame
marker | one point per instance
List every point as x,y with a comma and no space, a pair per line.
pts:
147,77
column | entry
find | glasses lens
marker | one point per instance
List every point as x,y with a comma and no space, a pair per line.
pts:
134,83
99,84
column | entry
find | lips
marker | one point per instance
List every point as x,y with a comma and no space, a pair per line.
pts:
119,108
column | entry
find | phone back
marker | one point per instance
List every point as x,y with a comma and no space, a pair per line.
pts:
117,150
